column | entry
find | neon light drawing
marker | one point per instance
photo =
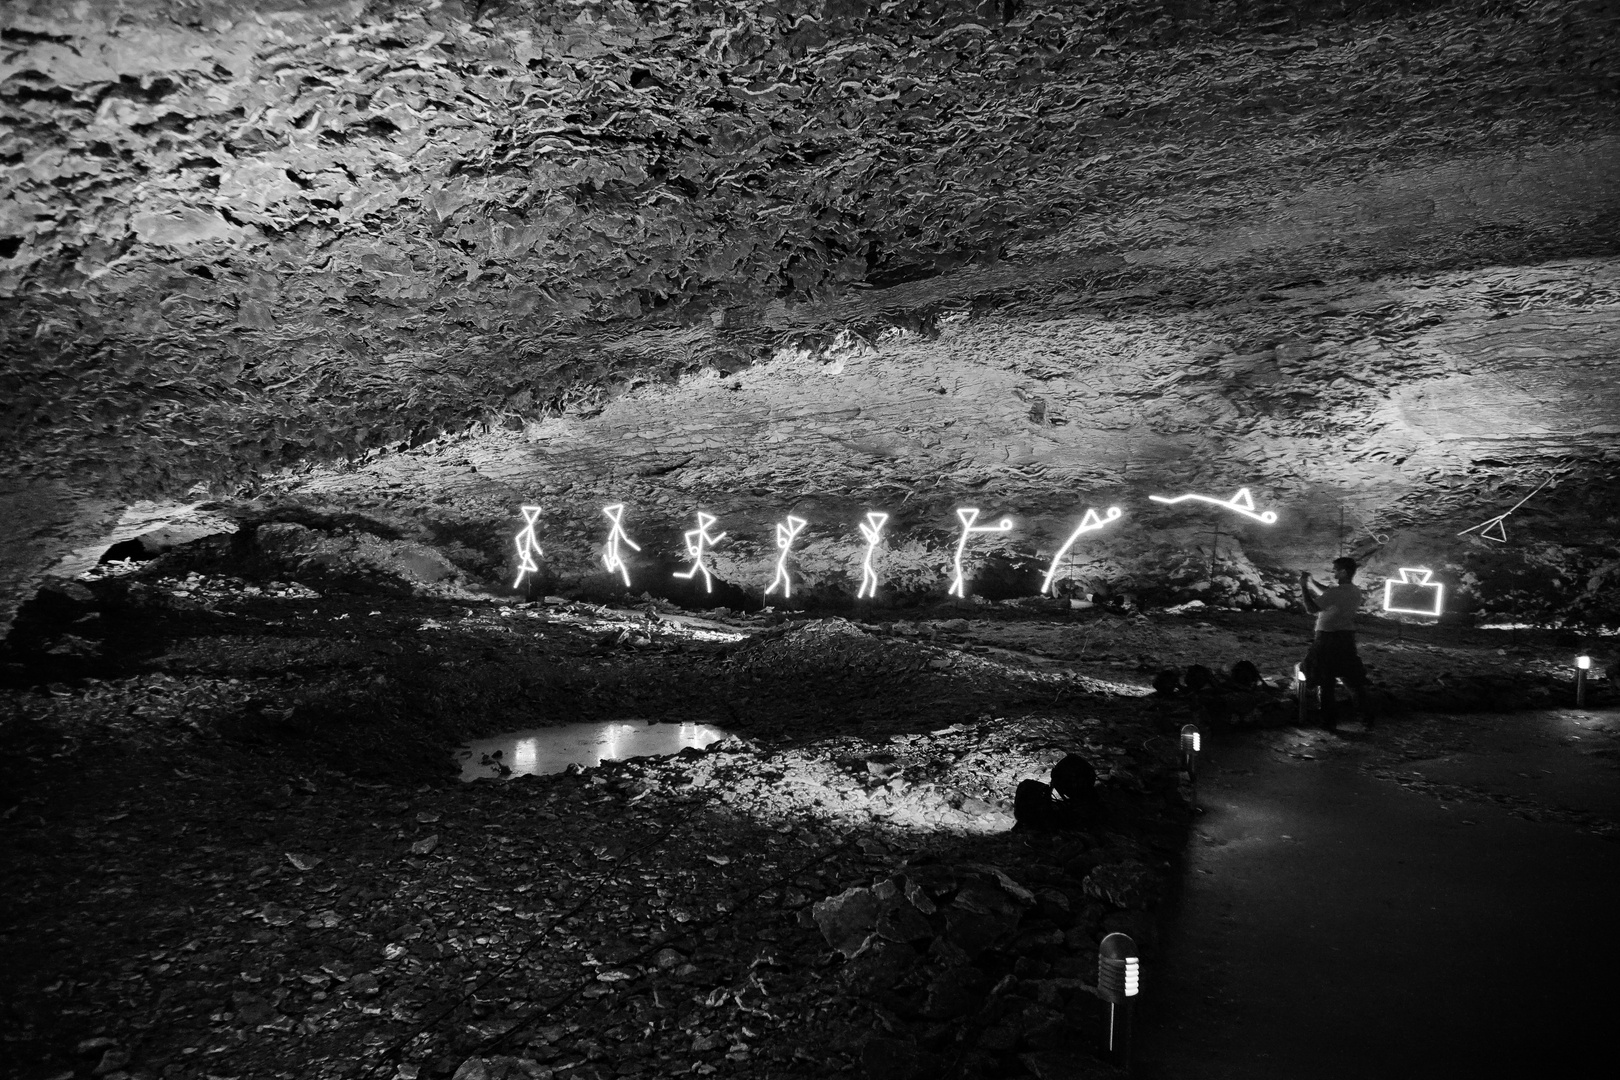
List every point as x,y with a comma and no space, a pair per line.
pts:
1087,524
696,540
527,545
784,540
610,555
1494,528
969,515
1411,581
1241,503
872,530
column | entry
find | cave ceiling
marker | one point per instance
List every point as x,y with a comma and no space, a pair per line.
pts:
441,257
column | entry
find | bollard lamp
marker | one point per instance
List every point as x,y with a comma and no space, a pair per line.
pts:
1583,664
1119,974
1119,980
1191,744
1302,692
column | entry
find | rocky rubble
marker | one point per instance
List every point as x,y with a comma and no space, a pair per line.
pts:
236,846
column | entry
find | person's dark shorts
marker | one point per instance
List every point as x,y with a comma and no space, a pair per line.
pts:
1333,657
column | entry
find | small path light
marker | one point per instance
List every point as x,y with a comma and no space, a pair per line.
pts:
1119,980
1191,744
1302,691
1583,664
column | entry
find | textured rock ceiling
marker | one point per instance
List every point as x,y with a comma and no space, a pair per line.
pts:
811,254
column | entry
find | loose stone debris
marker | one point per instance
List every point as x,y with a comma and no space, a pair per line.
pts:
236,844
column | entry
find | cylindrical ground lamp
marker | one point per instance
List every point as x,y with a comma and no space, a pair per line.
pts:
1119,980
1583,664
1191,744
1303,692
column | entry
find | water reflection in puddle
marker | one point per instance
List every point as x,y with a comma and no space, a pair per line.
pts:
553,749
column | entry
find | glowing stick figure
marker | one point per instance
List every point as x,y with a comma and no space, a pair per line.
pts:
969,515
527,545
1087,524
1493,528
871,530
610,556
696,540
1241,503
784,540
1412,581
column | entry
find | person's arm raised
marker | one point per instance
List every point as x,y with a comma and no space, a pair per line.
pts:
1307,590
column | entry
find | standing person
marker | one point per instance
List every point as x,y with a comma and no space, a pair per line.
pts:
1333,652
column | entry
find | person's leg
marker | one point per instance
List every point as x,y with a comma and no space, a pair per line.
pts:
1330,668
1330,703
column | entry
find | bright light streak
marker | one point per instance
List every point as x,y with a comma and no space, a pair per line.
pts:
696,540
1241,503
1088,523
527,545
1414,578
784,540
969,515
1496,528
872,531
610,556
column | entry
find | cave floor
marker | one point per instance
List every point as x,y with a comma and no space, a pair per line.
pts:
1417,906
237,846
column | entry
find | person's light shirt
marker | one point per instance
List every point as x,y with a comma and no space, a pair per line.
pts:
1338,604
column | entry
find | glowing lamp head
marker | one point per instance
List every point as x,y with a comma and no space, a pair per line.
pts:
1119,974
1191,739
1584,663
1299,672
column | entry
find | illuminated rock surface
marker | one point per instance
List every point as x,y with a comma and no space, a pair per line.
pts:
307,300
801,255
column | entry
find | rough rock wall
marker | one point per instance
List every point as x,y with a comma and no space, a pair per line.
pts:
1386,407
235,237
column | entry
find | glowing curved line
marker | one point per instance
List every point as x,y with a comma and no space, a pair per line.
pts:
872,530
1406,579
695,541
1241,503
1088,523
1497,523
968,516
527,545
610,556
784,540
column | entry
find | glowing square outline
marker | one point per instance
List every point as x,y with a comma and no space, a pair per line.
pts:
1439,591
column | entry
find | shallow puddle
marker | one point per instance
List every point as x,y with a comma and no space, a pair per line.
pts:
553,749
